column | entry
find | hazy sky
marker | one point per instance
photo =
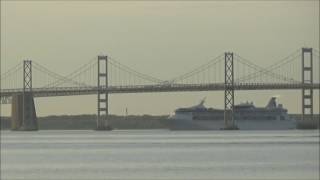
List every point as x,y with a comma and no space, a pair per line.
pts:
162,39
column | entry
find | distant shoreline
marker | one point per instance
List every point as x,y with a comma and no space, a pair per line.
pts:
83,122
88,122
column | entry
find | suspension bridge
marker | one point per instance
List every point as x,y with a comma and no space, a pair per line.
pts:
104,75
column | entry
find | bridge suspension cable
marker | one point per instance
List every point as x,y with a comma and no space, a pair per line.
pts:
268,74
45,78
86,76
12,79
122,75
207,73
285,71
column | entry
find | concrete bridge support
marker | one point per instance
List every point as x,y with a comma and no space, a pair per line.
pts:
16,111
23,111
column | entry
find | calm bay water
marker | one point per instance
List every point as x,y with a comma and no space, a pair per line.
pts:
160,154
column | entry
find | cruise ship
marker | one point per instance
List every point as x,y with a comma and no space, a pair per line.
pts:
246,116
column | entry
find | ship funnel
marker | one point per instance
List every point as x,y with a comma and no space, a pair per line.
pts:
272,103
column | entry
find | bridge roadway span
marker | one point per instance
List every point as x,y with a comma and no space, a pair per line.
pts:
69,91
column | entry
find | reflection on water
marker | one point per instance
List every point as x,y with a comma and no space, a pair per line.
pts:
160,154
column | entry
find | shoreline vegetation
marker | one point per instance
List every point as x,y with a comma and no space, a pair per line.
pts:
87,122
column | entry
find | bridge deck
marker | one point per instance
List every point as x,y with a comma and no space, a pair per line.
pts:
69,91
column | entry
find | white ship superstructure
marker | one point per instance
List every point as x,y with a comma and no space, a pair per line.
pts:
246,115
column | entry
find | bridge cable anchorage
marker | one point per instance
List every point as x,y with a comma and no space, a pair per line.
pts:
196,71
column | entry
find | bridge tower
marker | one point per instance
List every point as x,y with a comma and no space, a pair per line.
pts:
229,122
23,109
307,78
103,111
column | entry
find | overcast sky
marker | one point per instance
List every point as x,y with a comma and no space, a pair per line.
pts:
162,39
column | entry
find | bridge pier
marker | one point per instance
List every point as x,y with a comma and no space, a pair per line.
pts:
308,120
23,113
229,122
102,100
16,111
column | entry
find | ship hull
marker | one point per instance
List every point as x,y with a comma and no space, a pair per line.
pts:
189,124
246,115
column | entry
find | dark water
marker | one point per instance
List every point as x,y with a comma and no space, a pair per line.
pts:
160,154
